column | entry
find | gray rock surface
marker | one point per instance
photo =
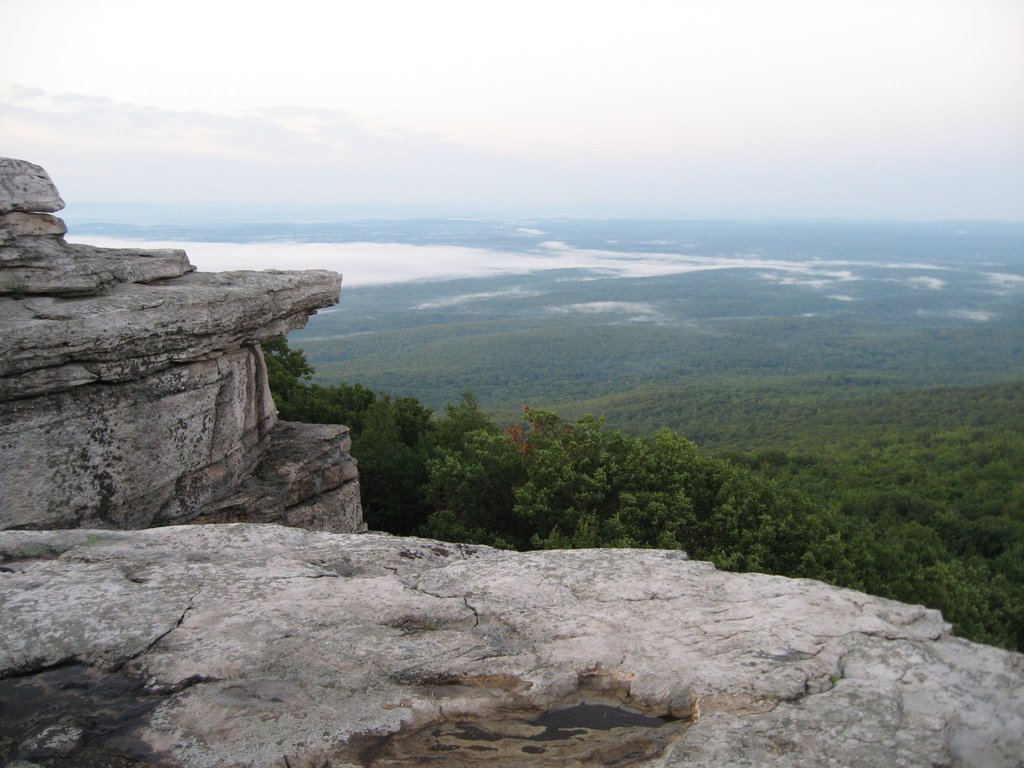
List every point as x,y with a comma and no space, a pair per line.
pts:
14,225
147,452
306,478
26,187
257,645
32,264
51,344
133,390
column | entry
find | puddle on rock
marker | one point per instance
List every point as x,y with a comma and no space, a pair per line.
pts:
591,734
74,715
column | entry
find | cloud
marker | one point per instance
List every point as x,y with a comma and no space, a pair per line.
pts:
814,274
604,307
971,314
103,150
379,263
808,282
469,298
929,283
975,315
370,263
638,312
1005,283
100,150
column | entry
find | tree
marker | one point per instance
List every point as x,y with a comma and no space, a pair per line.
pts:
286,368
392,450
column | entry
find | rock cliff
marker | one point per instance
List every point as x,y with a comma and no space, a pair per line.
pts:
133,393
246,645
133,390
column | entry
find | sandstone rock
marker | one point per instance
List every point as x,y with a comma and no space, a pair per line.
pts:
146,452
243,645
306,479
51,344
15,224
49,266
35,259
26,187
133,390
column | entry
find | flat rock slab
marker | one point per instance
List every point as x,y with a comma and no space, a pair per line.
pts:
14,225
258,645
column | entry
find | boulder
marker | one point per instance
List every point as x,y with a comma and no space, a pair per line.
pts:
259,645
27,188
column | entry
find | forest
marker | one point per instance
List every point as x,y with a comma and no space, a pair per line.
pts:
914,494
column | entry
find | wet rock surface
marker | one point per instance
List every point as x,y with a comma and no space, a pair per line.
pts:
581,734
74,716
269,646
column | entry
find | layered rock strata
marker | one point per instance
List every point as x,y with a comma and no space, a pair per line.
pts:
244,645
133,390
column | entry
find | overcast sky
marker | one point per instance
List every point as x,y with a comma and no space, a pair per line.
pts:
859,108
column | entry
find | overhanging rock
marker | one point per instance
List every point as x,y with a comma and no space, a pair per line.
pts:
133,390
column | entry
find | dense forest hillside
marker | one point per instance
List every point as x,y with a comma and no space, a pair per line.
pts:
916,496
646,321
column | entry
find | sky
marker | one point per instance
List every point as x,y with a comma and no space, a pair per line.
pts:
791,108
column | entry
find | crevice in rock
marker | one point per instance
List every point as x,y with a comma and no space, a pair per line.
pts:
180,620
167,689
476,615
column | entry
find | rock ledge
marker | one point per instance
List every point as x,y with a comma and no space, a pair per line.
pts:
257,645
133,390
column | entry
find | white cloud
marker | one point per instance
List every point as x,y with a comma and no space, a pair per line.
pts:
975,315
605,307
469,298
929,283
971,314
1005,283
98,150
636,312
94,146
791,280
814,274
383,263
